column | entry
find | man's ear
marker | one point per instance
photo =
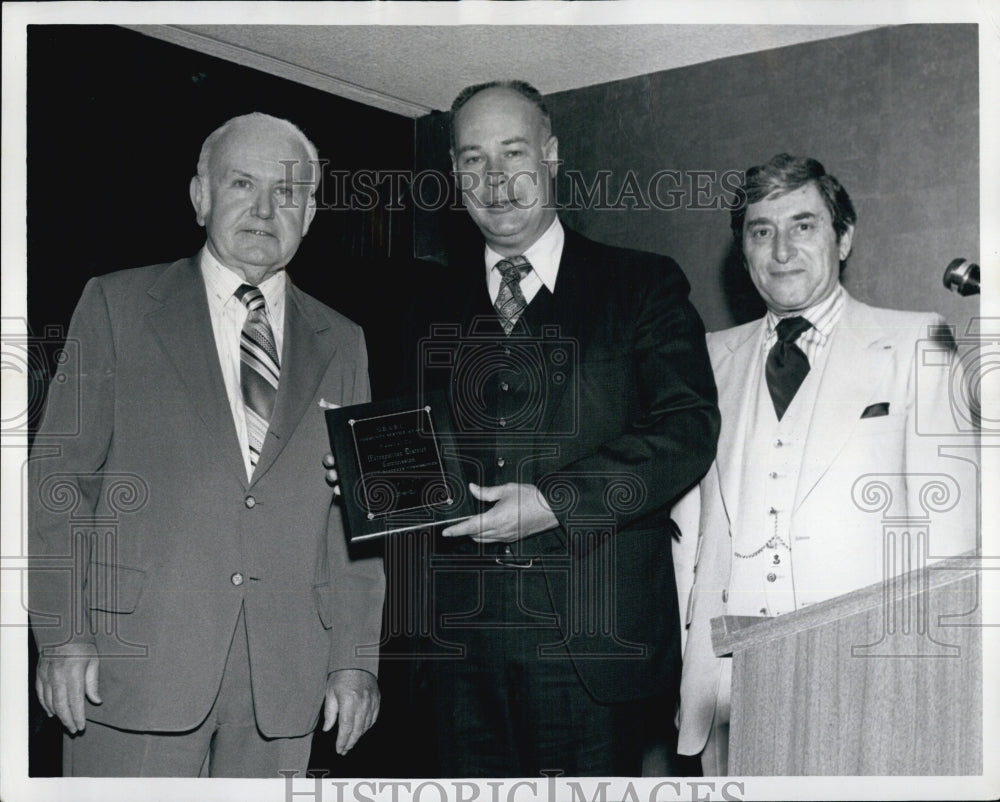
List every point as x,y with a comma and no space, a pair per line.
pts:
550,154
844,243
310,213
199,199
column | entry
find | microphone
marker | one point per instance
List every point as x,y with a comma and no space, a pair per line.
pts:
962,276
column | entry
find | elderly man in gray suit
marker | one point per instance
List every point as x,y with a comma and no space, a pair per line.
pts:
225,613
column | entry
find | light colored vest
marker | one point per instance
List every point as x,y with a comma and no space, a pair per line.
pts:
763,577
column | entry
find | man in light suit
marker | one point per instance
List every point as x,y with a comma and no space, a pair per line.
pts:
584,406
191,593
815,396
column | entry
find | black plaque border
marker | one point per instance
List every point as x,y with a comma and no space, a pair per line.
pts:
359,524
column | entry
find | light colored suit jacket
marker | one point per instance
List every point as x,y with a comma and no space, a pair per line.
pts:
146,537
875,359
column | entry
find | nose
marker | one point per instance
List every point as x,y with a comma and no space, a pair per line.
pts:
495,175
263,205
784,249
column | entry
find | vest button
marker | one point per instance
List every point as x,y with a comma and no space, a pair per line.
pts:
778,444
236,579
504,386
725,596
250,501
763,611
772,577
502,422
500,462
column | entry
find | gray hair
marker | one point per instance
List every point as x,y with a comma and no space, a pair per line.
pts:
213,138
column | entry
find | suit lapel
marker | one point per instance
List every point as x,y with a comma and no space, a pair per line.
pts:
304,359
859,356
183,327
736,375
575,290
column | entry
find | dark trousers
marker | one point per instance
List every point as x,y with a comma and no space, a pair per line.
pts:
513,704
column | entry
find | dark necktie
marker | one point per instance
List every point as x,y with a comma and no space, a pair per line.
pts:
259,368
786,365
510,300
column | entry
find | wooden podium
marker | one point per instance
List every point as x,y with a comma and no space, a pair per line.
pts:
886,680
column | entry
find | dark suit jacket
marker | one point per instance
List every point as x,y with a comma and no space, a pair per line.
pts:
627,421
141,516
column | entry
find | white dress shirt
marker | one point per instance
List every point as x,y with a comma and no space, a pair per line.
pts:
228,315
544,256
823,316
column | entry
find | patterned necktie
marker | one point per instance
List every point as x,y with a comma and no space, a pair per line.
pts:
510,300
259,368
786,366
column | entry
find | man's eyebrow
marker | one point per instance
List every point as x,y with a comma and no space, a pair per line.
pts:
756,221
804,216
467,148
514,140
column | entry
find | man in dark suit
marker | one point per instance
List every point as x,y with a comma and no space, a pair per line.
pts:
584,405
191,593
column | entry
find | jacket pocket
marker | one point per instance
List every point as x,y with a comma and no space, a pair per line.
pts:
114,588
324,603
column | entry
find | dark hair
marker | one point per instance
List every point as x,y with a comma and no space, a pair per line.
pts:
523,88
782,174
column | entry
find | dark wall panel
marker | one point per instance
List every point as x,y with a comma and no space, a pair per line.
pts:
113,141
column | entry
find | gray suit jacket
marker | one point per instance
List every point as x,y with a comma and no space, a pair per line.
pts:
145,536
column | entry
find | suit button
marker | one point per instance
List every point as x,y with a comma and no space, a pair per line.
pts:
236,579
763,611
250,501
725,596
506,350
500,462
773,475
778,444
502,422
772,577
504,386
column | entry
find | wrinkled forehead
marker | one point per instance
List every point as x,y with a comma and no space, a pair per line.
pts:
266,151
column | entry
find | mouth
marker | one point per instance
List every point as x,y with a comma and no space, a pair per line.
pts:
256,232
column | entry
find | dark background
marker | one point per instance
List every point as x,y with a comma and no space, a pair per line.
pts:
115,121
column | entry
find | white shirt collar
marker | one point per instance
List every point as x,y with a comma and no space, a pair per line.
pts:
222,283
544,255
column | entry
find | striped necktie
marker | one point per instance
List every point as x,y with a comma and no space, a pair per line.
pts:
259,368
510,302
